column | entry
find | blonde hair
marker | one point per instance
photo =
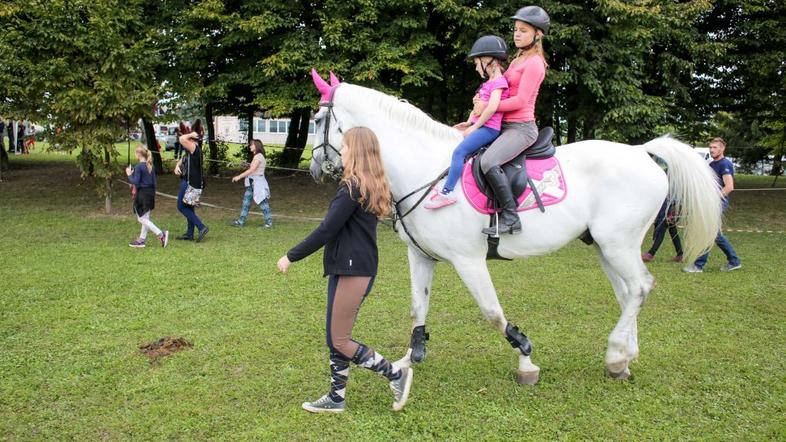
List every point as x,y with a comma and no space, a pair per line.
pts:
363,168
719,140
147,155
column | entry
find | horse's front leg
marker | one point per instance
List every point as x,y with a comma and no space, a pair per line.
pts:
476,277
421,271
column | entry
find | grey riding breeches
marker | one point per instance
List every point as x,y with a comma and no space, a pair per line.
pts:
514,139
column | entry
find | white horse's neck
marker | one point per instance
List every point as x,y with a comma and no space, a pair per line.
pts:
415,148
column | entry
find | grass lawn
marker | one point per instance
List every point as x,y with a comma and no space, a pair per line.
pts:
76,303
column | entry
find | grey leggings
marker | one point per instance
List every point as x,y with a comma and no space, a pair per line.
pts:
514,139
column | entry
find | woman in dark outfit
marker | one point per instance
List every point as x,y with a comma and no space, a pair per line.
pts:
189,169
349,235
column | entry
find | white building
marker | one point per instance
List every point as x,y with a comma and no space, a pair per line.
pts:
267,130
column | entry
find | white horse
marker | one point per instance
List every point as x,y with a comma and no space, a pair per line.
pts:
615,191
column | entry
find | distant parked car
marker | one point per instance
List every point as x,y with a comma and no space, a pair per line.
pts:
166,136
704,152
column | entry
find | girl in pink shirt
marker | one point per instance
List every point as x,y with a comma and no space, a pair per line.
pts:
525,75
483,127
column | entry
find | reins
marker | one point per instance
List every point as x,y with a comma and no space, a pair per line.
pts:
400,218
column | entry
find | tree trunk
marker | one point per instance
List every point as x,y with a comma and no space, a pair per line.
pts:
296,137
557,131
4,163
302,136
211,139
294,125
108,183
152,145
588,132
250,133
572,129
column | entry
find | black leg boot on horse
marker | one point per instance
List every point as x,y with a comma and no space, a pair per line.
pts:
508,221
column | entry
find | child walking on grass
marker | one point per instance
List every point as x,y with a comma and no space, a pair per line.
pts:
143,178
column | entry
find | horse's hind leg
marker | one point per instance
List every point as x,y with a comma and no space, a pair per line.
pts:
632,283
421,271
476,277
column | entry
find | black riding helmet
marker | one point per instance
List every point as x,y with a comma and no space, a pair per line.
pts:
489,46
534,15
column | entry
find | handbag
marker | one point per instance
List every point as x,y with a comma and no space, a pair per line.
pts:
192,195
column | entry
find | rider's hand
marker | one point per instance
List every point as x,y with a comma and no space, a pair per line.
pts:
178,172
462,126
283,264
235,178
129,170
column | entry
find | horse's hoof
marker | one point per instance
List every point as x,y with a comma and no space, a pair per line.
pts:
418,354
620,376
528,377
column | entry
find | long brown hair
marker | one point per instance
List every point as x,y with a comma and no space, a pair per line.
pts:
147,155
258,147
363,168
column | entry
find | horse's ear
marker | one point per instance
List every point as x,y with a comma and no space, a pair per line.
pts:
334,81
321,85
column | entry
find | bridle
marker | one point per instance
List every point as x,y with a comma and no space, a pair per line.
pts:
335,171
328,166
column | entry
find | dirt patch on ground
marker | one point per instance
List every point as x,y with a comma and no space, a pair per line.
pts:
164,347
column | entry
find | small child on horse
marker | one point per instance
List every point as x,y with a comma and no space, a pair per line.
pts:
488,53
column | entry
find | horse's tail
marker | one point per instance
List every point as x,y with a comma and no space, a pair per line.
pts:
694,190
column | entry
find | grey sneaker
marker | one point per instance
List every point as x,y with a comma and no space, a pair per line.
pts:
730,267
267,226
401,387
324,405
693,268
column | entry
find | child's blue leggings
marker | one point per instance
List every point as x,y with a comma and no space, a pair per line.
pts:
481,137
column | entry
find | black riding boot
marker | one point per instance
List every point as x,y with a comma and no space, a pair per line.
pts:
508,221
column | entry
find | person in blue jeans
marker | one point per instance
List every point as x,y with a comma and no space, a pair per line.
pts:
489,53
724,168
189,168
663,222
257,188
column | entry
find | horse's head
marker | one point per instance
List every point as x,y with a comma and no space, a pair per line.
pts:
326,153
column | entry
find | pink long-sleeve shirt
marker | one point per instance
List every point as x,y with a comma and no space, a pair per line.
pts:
524,81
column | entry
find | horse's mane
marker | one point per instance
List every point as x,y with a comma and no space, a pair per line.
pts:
405,114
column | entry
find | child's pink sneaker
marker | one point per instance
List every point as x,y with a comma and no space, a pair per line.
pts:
439,200
164,238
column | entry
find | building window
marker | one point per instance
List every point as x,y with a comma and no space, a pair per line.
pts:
242,125
279,126
261,125
312,128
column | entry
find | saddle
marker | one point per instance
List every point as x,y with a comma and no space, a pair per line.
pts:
516,169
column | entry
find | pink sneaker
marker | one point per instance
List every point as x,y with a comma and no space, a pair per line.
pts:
677,258
164,238
439,200
647,257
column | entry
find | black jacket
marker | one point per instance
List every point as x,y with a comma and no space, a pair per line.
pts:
349,234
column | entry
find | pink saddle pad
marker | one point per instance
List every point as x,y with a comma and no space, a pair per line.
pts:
545,173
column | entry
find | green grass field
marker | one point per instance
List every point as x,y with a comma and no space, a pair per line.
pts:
76,303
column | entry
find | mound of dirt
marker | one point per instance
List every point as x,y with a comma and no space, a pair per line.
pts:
164,347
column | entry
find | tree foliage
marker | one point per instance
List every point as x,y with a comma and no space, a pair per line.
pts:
84,67
619,70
